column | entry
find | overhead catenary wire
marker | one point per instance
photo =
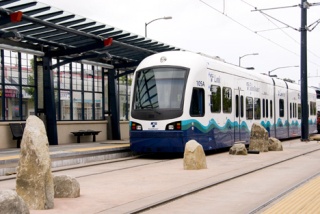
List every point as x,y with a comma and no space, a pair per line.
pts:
314,23
279,28
260,10
293,39
271,29
249,29
296,29
266,15
276,8
247,3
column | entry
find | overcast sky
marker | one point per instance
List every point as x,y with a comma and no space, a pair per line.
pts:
225,28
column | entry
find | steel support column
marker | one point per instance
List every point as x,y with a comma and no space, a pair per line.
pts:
304,74
49,104
113,105
3,109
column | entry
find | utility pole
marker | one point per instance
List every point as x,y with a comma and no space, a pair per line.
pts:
304,73
303,65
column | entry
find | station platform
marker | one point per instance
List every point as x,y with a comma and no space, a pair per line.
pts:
112,190
305,199
70,154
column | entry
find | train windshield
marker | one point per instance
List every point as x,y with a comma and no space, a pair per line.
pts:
159,88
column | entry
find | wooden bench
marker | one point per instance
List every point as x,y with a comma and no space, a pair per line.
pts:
17,132
80,133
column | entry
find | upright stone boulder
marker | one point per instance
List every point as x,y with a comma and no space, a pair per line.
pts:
194,156
274,144
259,138
34,178
238,149
12,203
66,186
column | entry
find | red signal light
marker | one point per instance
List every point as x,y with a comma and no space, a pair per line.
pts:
107,42
16,16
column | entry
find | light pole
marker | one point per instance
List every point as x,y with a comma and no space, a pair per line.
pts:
244,56
146,24
281,68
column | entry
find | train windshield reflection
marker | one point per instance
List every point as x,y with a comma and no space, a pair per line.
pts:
160,88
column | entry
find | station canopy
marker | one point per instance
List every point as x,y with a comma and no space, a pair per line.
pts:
39,29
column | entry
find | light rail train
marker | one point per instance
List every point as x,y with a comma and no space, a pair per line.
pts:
178,96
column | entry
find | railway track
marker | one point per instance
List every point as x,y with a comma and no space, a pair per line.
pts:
96,163
283,194
243,174
223,172
207,185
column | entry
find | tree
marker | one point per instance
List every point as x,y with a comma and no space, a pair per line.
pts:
123,80
30,90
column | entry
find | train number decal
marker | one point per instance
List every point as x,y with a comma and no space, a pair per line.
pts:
200,83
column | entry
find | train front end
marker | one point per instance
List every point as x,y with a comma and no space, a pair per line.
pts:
157,101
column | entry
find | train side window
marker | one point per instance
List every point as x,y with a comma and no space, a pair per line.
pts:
290,110
281,108
241,106
310,110
313,108
263,108
257,108
267,109
249,108
197,103
299,111
271,109
295,110
215,98
227,100
237,105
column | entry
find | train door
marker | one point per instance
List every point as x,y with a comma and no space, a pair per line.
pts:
239,114
281,110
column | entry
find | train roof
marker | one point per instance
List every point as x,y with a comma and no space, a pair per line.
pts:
216,63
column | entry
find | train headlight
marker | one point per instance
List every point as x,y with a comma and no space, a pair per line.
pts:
174,126
171,127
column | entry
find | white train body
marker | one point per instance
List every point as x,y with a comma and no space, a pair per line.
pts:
179,96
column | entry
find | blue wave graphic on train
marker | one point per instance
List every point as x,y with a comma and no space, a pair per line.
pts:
187,124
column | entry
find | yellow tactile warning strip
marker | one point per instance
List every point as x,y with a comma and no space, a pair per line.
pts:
305,199
74,150
98,148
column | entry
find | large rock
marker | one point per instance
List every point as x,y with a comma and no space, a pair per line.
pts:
34,178
238,149
194,156
66,187
12,203
259,138
274,144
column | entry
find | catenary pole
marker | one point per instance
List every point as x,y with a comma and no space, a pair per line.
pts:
304,73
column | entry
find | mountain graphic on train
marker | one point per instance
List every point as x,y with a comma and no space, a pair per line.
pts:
179,96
